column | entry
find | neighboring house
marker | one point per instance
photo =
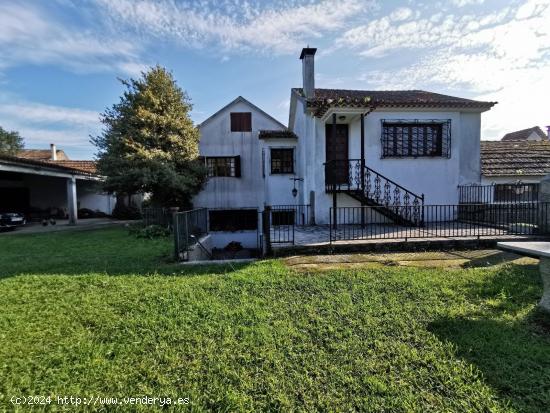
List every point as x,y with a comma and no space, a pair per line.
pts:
344,147
530,134
46,182
516,164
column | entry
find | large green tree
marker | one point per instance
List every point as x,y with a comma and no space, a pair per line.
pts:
10,142
149,143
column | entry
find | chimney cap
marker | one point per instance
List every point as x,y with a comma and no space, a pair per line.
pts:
308,51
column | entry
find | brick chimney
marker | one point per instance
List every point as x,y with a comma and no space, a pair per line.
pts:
53,150
308,71
548,132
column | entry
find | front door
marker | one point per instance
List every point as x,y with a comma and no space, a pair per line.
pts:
337,151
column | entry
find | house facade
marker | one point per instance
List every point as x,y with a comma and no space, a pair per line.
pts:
343,148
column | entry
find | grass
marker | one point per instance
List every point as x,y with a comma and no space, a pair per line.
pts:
101,313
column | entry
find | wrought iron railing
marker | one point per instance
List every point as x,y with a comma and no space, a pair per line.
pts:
444,221
354,177
189,226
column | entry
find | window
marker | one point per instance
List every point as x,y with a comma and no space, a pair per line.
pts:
241,122
282,161
223,166
416,138
233,219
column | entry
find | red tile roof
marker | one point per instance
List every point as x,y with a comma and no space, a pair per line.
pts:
522,135
78,167
84,166
327,98
41,154
519,158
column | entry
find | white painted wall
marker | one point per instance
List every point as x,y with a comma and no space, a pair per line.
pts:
437,178
252,189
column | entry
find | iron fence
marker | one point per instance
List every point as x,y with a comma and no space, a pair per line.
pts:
498,193
157,216
444,221
189,226
291,214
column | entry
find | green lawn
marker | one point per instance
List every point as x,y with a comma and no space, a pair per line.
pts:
104,314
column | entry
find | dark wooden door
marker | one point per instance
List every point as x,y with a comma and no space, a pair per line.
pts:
337,151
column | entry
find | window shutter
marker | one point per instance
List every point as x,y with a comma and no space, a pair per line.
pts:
247,122
238,166
241,121
235,122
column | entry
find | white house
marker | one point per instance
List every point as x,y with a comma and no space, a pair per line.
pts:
251,160
342,148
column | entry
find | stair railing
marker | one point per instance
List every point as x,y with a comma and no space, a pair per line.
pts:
348,175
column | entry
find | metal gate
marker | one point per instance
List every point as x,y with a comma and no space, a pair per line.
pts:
282,219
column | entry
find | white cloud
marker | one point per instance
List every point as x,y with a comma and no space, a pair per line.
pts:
235,25
402,13
40,125
462,3
39,113
504,57
28,35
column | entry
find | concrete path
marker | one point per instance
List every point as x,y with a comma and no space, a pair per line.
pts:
63,225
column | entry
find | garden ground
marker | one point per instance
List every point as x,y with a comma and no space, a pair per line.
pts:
101,313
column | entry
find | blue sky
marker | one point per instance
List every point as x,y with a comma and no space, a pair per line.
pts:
60,59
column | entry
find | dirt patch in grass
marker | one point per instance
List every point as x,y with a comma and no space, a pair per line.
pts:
429,259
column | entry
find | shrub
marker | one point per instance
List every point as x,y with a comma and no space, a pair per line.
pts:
149,232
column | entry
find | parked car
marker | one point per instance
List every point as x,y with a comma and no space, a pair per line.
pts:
11,220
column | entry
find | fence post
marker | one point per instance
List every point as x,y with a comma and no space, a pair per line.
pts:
311,207
266,225
544,200
175,227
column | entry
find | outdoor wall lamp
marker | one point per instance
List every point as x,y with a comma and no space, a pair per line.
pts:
295,190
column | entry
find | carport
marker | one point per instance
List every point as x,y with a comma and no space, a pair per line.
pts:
28,185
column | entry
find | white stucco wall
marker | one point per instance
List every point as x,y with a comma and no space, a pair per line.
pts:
252,189
278,187
436,178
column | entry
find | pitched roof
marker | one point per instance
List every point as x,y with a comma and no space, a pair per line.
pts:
522,135
83,166
236,100
327,98
508,158
78,167
41,154
277,134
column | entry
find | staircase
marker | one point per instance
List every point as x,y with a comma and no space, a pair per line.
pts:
354,178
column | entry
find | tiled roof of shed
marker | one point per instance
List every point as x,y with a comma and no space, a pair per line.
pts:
327,98
277,134
84,166
79,167
509,158
523,134
41,154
